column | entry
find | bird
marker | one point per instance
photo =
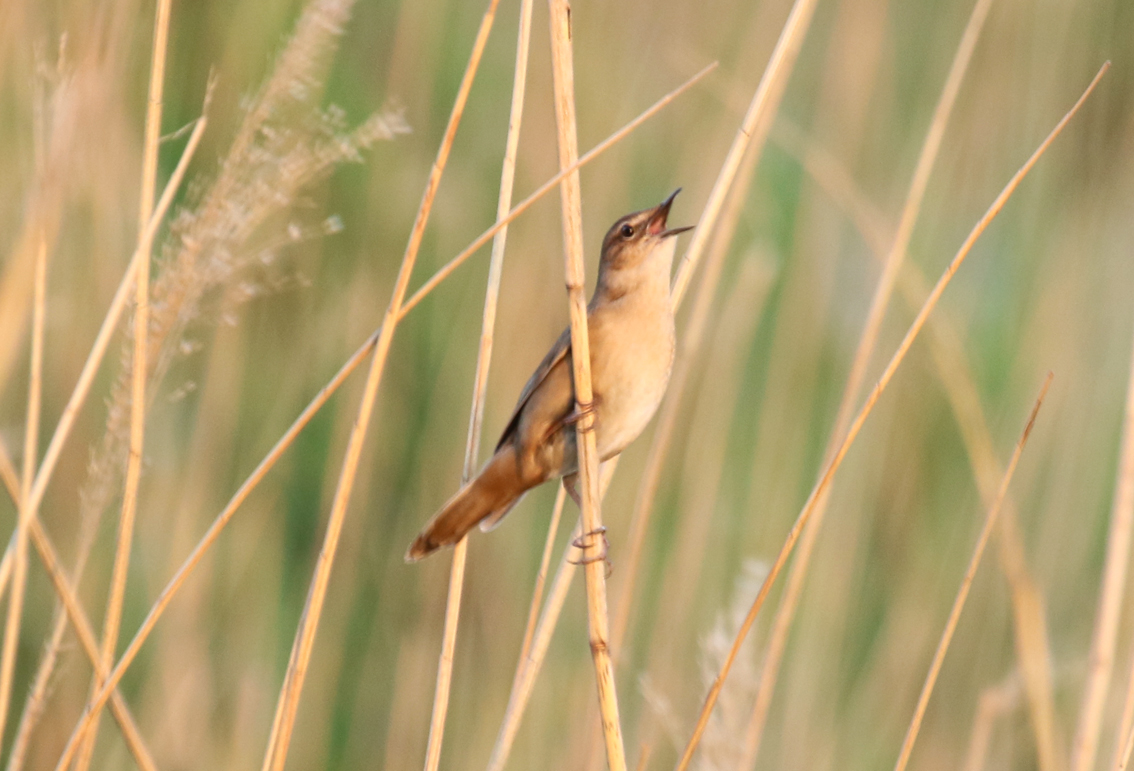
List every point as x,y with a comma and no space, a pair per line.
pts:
632,344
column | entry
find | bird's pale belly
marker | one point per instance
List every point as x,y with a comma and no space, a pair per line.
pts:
629,389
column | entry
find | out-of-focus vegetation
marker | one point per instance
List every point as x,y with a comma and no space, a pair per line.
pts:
296,269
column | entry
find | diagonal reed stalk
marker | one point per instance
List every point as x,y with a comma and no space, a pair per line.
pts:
90,368
1110,607
864,412
446,270
32,498
30,502
280,737
288,438
480,388
125,538
785,613
31,450
753,132
731,186
1030,624
563,82
966,584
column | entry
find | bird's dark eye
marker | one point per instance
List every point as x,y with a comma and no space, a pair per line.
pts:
627,230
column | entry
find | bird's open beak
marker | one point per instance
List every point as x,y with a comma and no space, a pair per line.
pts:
661,213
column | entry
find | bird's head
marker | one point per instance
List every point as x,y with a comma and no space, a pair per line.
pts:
633,238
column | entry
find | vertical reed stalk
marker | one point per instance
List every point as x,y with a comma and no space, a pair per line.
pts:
31,450
480,384
594,570
125,540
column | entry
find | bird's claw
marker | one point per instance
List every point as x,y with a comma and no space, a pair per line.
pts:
583,411
584,543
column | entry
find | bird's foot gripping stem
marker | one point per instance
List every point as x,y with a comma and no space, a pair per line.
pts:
586,542
584,413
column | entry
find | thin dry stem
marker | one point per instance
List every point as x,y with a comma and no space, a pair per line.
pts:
86,377
1124,761
785,613
113,619
753,130
288,438
1110,601
305,636
993,703
8,475
531,663
739,167
531,659
963,591
31,450
563,81
480,383
953,371
109,323
77,616
541,578
864,412
445,271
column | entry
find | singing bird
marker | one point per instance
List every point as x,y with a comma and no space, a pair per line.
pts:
631,336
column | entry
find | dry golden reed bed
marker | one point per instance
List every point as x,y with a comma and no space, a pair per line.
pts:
883,518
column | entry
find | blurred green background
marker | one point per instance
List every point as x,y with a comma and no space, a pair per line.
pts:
1048,287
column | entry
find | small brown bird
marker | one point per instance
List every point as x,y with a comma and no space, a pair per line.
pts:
631,336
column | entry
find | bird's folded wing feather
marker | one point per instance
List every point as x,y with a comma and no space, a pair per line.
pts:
557,353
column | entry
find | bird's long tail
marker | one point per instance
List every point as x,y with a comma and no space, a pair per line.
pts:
495,490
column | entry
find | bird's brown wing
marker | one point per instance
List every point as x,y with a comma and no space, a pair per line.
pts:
557,353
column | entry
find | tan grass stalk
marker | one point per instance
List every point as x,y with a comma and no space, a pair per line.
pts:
109,324
537,637
125,539
1124,761
31,450
739,164
993,703
1111,593
541,577
447,269
89,643
66,421
304,643
563,81
8,475
11,481
963,591
480,387
755,126
532,661
864,412
288,438
785,613
1030,631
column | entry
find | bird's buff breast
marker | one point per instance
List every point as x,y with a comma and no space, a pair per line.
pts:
630,381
